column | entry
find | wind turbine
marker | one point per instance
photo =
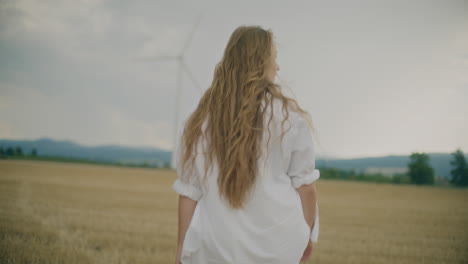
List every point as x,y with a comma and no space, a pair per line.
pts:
181,68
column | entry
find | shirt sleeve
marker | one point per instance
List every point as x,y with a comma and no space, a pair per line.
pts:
186,185
302,164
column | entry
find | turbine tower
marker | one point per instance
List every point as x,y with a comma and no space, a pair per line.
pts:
182,68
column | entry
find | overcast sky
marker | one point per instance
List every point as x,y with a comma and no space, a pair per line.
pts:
377,77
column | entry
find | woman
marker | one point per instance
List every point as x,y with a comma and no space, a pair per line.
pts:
246,166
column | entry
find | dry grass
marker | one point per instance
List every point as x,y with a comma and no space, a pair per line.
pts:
72,213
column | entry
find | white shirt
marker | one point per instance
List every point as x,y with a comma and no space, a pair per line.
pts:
271,228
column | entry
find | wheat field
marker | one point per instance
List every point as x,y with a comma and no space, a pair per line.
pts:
54,212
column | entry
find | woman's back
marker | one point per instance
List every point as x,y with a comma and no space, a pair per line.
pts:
270,228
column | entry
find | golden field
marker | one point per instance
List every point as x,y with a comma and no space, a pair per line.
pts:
75,213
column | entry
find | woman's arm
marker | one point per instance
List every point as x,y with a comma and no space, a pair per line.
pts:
308,200
186,210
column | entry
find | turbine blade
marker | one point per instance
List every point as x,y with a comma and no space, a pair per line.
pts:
191,76
189,40
155,58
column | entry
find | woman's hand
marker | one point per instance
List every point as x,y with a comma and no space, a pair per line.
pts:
307,251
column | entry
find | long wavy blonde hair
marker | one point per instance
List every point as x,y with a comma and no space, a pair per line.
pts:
233,106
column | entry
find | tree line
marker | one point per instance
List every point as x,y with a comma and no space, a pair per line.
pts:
17,151
420,172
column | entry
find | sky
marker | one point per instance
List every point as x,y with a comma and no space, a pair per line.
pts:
377,77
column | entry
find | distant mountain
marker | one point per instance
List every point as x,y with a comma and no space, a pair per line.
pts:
439,161
105,153
154,156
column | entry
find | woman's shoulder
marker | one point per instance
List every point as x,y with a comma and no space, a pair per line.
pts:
280,112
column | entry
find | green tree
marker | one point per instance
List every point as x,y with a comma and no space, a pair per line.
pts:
18,151
34,152
419,170
10,151
2,152
460,169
